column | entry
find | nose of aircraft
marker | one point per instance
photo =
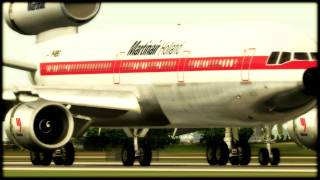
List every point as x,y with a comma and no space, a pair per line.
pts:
311,80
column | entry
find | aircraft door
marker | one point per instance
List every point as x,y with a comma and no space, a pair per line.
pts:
246,64
181,66
117,66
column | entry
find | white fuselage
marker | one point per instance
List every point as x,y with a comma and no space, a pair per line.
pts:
209,77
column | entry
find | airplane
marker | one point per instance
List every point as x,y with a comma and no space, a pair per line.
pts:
229,76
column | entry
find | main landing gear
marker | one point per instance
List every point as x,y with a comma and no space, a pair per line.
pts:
217,153
135,151
62,156
268,154
231,149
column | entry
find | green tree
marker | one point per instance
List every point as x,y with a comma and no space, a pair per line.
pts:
211,135
160,138
245,134
217,134
94,140
157,138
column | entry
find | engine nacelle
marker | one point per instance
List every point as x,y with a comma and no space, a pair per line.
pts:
304,129
39,125
32,18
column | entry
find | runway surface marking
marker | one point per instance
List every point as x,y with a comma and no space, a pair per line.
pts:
221,169
165,157
164,164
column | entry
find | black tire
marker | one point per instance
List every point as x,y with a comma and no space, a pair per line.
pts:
35,158
244,153
211,154
65,155
58,160
222,153
145,155
234,160
275,159
127,154
45,158
70,153
263,156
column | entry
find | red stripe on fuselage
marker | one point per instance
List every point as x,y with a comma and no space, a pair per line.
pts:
168,65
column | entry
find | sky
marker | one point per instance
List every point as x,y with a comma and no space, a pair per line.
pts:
301,16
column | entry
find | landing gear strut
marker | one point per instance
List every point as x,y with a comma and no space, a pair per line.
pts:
240,154
240,151
269,154
130,152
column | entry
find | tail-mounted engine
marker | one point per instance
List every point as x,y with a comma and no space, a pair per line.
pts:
304,129
39,125
32,18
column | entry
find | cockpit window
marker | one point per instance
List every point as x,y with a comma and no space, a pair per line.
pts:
300,56
314,56
285,56
273,57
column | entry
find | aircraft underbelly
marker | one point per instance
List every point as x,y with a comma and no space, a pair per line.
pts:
223,104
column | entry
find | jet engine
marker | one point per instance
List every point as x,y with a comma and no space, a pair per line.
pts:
311,81
39,125
304,129
32,18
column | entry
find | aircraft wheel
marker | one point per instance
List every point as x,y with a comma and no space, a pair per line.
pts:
58,160
263,156
64,155
69,151
244,153
234,160
222,153
45,158
127,154
35,158
211,152
145,155
275,159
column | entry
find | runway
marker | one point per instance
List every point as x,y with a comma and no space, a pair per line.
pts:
307,168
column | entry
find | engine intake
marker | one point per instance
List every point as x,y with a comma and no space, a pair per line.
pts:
311,79
304,129
39,125
32,18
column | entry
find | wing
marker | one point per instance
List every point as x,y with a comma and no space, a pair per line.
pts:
80,99
19,64
107,99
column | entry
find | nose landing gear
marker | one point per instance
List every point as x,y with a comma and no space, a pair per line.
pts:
269,154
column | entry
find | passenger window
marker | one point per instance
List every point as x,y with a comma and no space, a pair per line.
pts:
273,57
285,56
301,56
314,56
